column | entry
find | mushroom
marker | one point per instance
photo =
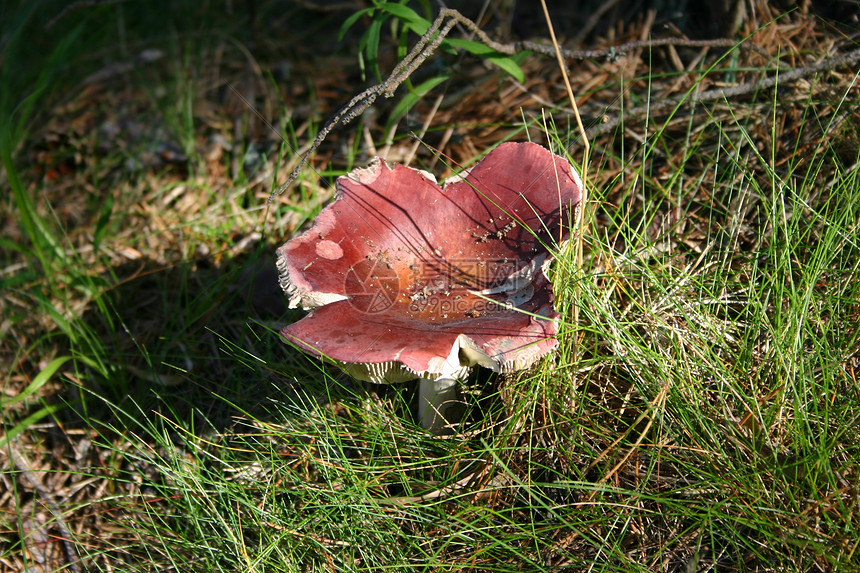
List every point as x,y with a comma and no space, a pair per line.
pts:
408,279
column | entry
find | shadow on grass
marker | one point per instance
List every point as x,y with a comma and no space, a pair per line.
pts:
196,343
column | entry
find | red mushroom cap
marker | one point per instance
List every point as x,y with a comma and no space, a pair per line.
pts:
409,279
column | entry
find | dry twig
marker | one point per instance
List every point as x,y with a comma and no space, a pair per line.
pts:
26,474
721,94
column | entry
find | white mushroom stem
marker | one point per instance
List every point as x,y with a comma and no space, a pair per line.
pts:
435,397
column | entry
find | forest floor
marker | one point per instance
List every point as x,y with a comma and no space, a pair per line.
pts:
700,413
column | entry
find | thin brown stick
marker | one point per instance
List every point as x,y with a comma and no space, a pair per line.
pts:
422,50
513,48
81,4
26,473
592,21
721,94
583,198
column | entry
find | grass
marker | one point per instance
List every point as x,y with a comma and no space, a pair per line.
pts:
701,414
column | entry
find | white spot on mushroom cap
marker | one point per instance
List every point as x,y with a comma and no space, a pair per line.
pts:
329,250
